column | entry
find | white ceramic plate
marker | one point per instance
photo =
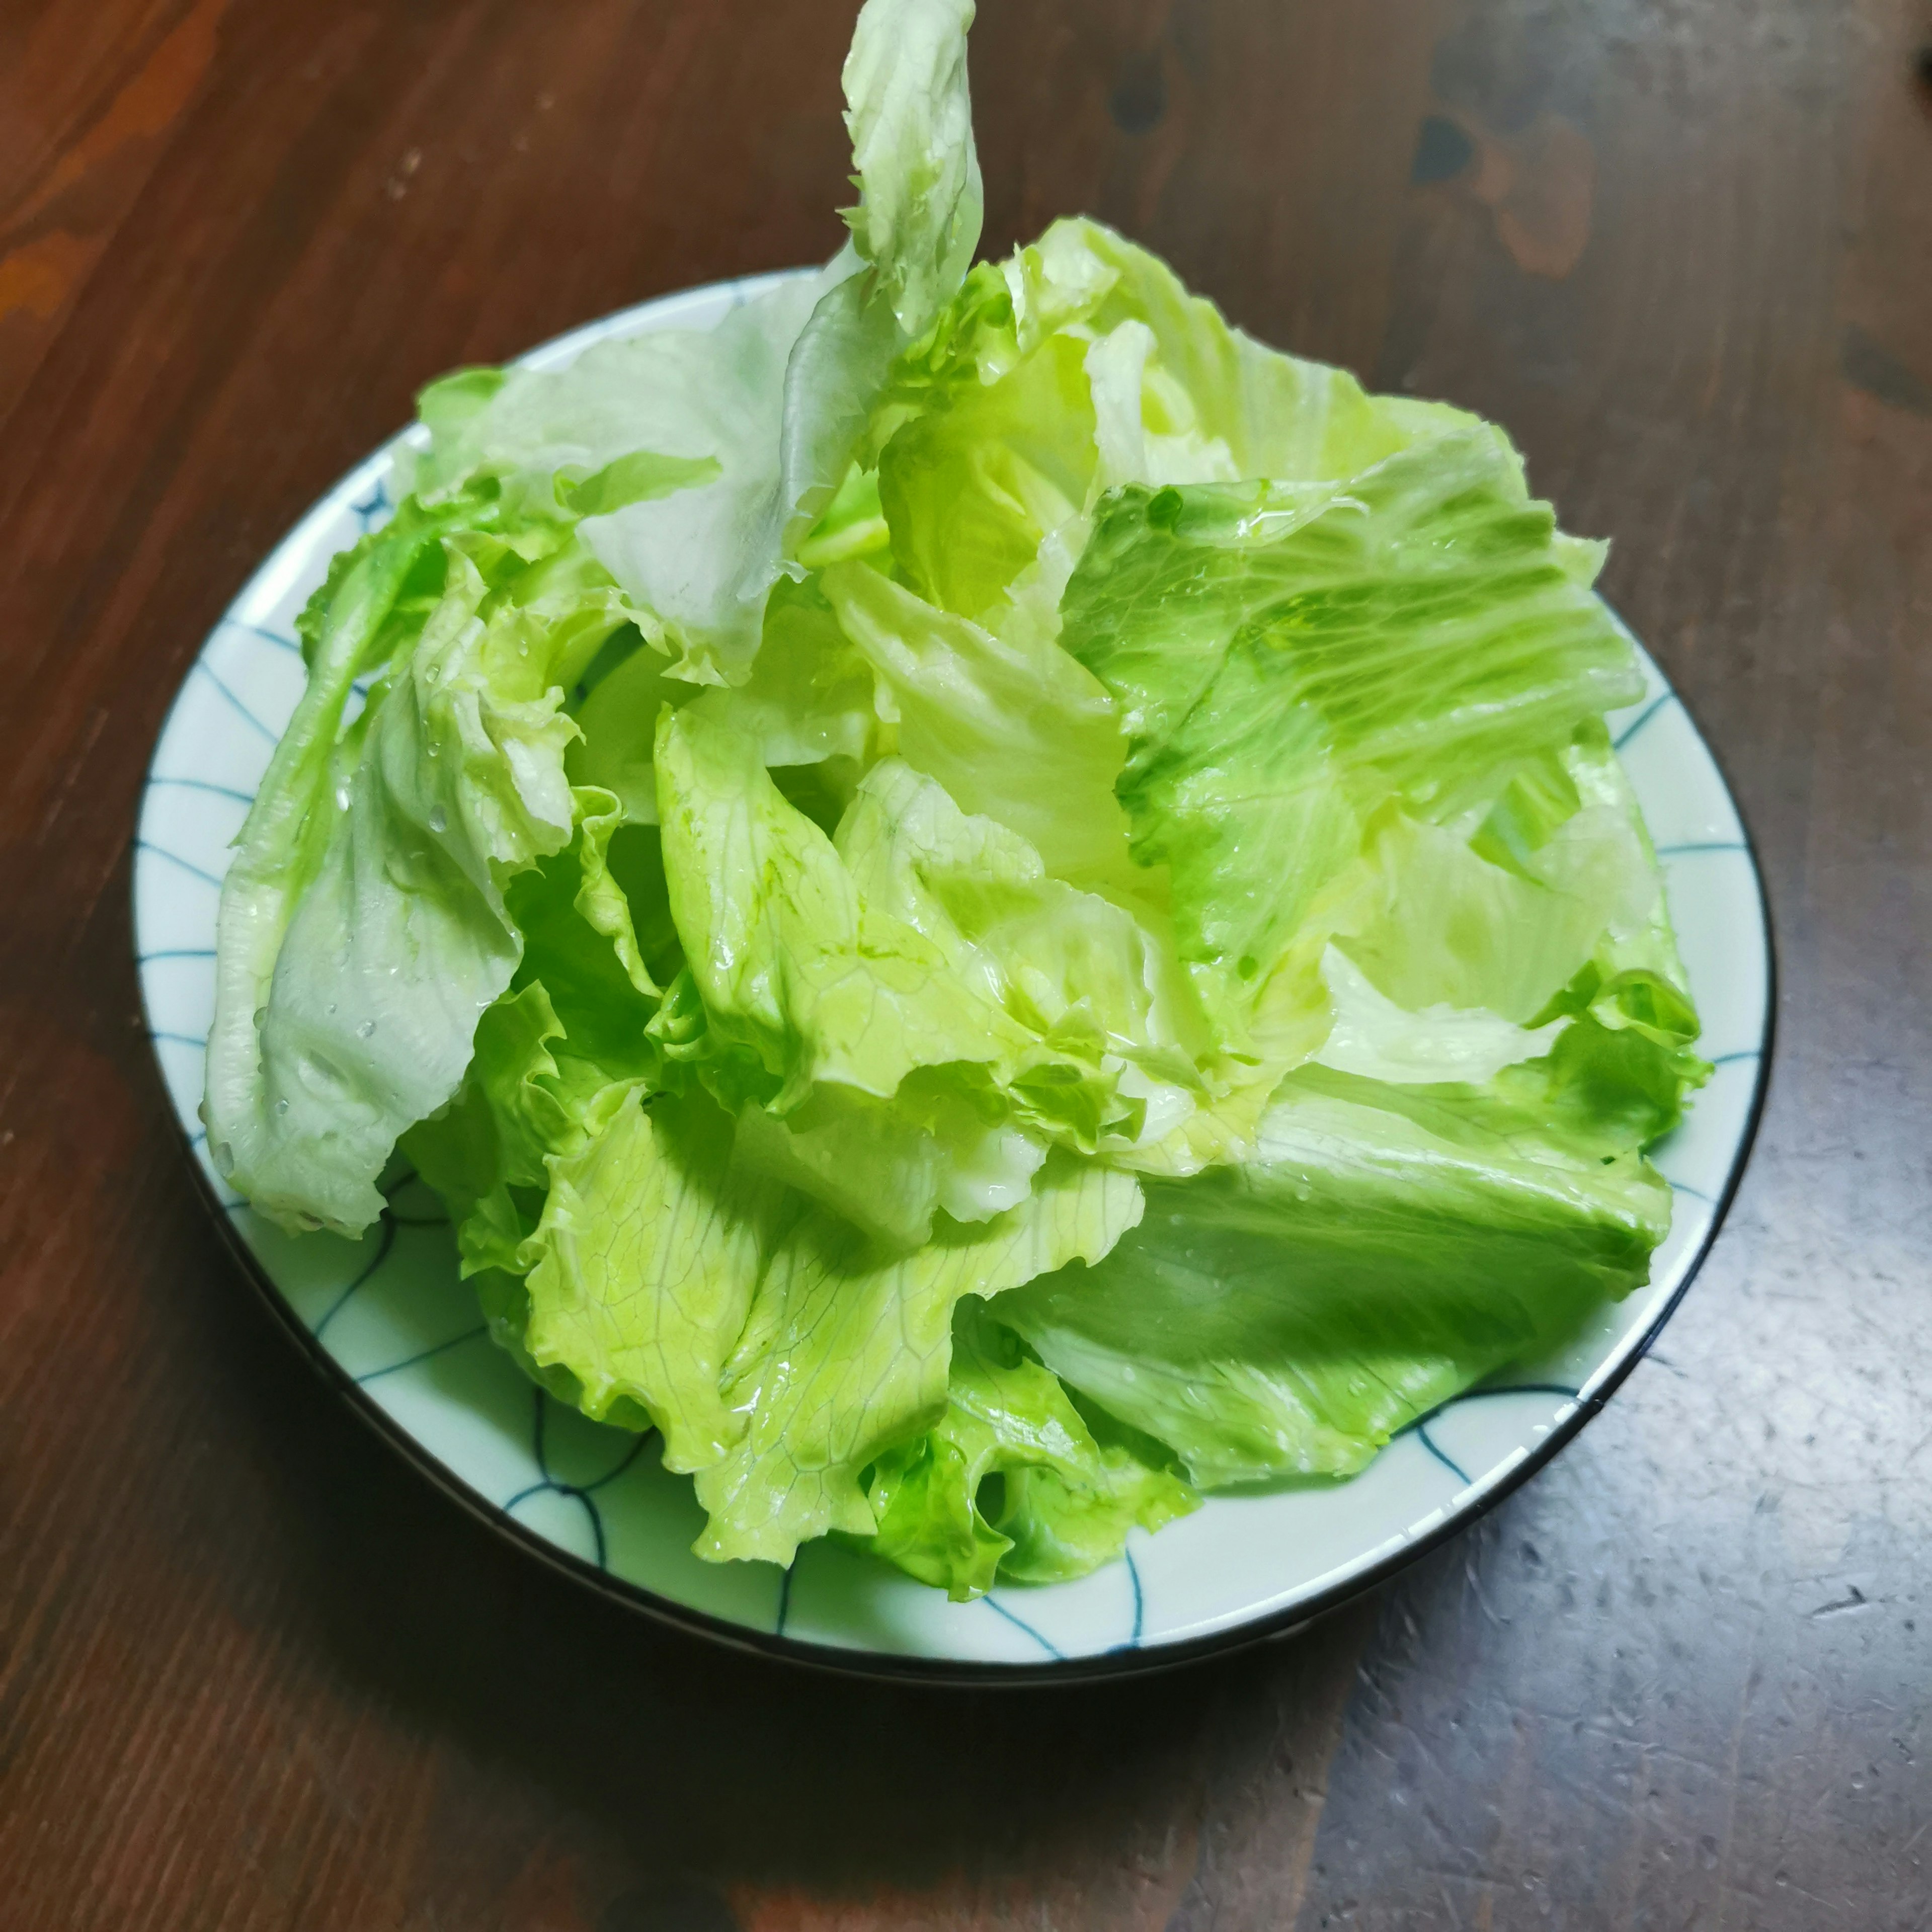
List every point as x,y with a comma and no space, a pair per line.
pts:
390,1318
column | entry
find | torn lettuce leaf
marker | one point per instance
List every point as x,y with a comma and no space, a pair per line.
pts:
793,965
641,1271
846,1350
1287,662
1385,1248
910,118
1012,727
809,700
1081,364
365,927
1011,1482
700,459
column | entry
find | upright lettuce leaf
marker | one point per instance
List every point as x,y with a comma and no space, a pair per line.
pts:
911,122
364,924
701,459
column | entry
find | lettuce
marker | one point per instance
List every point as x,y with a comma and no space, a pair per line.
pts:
1385,1247
1013,1480
846,1351
1292,661
364,926
992,905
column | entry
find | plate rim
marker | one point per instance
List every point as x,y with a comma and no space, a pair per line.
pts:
1279,1625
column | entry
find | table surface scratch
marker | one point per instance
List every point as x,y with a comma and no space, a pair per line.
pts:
254,1673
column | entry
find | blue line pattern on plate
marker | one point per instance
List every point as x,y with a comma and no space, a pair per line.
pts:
1020,1623
1419,1427
584,1493
175,858
201,665
1448,1461
423,1354
261,631
376,509
206,785
1642,718
385,1247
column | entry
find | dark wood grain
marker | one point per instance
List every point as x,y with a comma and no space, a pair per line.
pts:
254,1673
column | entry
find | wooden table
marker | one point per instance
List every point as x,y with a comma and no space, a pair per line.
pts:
254,1672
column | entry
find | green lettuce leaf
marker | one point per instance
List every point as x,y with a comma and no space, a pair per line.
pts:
700,409
1116,1027
1288,661
1013,728
485,1152
642,1269
793,966
929,1008
945,1140
808,701
701,459
972,485
1443,918
846,1352
364,926
1061,1530
1387,1247
1010,1481
1082,364
911,122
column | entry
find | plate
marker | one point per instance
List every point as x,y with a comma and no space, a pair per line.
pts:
389,1319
